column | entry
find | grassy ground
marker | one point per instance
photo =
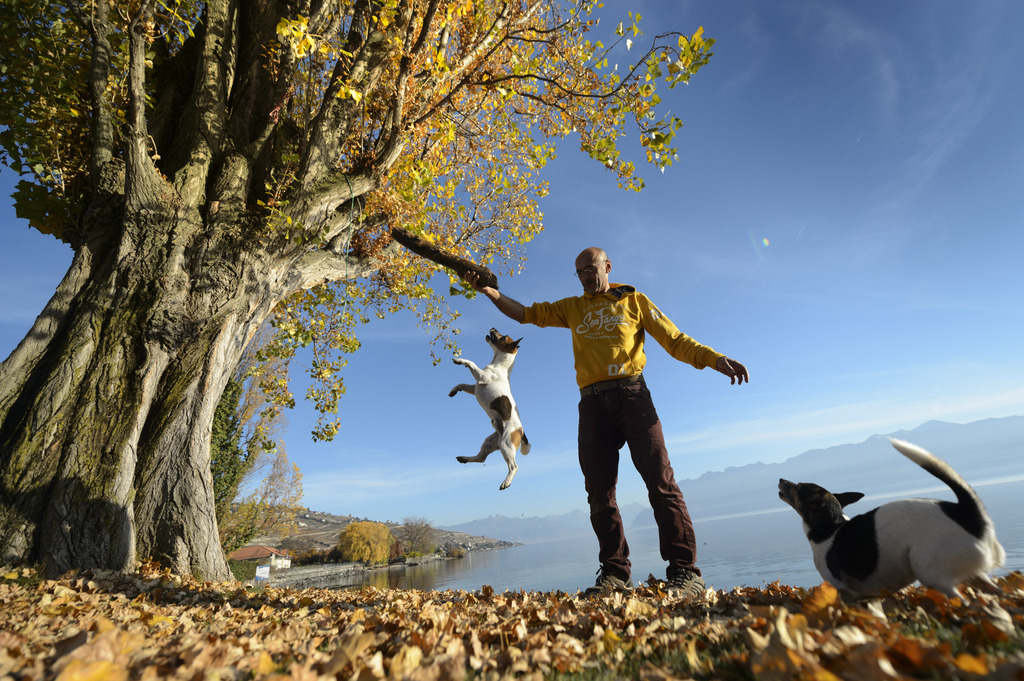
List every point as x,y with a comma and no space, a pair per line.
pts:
154,625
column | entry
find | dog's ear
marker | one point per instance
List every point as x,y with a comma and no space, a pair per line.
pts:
847,498
516,344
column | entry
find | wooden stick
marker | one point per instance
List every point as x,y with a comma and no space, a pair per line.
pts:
431,252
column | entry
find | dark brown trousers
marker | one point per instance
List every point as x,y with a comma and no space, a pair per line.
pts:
626,415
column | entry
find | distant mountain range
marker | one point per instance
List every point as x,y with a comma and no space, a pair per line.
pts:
980,451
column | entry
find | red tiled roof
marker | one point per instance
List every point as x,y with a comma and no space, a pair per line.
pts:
253,552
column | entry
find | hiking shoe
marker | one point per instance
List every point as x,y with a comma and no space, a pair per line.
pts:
683,582
607,583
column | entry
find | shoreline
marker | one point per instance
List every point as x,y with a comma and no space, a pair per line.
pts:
304,576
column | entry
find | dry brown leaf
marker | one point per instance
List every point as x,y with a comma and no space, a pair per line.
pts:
1012,581
636,609
371,670
778,662
756,641
405,661
868,662
93,670
697,663
791,631
997,616
850,635
264,664
650,672
819,601
353,642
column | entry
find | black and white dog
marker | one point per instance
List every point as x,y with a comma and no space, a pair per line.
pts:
494,393
938,543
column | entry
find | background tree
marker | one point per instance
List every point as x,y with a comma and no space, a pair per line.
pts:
419,535
270,509
217,165
364,541
230,462
256,490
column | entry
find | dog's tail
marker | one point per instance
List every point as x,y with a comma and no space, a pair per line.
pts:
525,446
968,512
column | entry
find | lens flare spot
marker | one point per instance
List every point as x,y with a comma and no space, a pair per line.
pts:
765,241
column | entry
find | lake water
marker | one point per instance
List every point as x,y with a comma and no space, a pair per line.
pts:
751,550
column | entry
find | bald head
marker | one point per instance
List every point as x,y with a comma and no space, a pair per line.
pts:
592,267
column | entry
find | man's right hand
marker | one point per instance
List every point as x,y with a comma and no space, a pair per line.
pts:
733,369
473,279
512,309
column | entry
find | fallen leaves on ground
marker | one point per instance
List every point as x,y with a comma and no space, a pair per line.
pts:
154,625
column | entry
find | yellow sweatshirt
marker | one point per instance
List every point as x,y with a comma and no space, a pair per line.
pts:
608,333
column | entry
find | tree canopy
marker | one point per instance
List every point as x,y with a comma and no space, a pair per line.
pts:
448,110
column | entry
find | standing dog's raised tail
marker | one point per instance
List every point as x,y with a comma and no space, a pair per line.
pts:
968,512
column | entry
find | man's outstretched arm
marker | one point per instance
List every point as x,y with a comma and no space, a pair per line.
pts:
509,307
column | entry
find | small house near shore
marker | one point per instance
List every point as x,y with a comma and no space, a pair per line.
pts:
264,555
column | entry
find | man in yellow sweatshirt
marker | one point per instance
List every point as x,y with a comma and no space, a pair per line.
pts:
609,323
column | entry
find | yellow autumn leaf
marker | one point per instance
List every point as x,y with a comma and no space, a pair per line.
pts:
96,670
972,664
610,640
265,664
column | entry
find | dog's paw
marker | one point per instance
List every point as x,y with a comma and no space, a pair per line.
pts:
462,459
453,392
459,361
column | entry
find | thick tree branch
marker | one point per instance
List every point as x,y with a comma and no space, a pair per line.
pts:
213,85
319,267
457,264
317,210
331,124
141,177
99,29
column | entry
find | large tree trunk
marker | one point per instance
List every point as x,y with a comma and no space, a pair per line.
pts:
107,403
106,406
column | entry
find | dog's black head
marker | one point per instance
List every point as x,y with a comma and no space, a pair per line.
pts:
820,510
502,342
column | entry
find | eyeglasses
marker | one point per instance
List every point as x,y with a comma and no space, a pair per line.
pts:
587,271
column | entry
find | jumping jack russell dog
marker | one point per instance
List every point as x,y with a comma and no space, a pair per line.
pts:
494,394
938,543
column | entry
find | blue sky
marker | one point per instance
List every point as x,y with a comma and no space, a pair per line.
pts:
846,218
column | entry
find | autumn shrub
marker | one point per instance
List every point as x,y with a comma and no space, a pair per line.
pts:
242,570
